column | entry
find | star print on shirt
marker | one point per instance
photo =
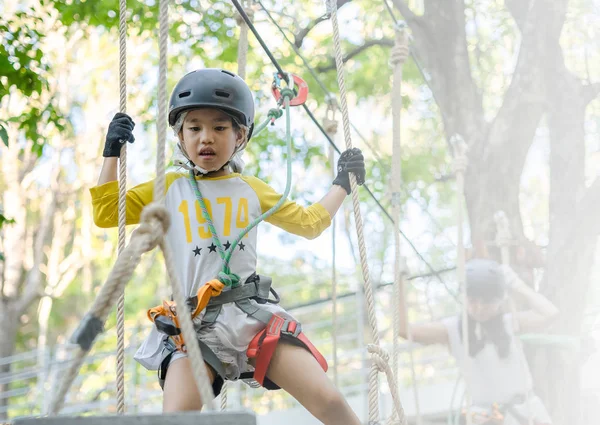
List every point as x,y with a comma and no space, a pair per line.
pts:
242,246
197,251
212,247
227,245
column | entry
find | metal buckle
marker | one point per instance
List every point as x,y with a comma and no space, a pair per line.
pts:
286,325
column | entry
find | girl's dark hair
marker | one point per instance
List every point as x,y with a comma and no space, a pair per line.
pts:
493,330
485,280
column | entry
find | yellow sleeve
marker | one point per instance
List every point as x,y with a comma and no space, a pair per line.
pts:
308,222
105,202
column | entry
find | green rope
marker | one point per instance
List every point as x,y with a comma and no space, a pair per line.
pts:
562,341
273,114
226,276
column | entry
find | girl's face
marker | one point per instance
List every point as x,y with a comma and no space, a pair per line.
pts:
210,138
483,310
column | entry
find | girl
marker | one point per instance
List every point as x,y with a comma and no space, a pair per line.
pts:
211,112
496,371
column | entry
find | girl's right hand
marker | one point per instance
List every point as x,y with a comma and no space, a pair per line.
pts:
120,130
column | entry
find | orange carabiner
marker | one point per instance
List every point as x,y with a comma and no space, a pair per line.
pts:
300,87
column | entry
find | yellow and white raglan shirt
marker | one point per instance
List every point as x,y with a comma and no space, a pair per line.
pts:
233,201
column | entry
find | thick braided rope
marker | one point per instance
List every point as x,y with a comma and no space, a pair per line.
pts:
189,333
243,40
381,363
185,320
122,206
373,377
154,224
398,57
503,241
224,396
460,167
159,182
330,125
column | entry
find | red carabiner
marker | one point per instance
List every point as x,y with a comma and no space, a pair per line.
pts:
300,87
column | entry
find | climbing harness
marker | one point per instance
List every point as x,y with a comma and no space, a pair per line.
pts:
210,297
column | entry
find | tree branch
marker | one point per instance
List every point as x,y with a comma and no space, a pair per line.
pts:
32,282
387,42
301,35
407,14
591,92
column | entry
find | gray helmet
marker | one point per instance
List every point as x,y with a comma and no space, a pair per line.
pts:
484,279
213,88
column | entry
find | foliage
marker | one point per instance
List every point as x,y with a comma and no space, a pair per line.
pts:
24,70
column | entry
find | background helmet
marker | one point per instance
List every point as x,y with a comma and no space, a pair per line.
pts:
484,279
213,88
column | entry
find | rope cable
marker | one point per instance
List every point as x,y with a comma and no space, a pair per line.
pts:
460,167
332,143
120,384
398,58
372,318
154,222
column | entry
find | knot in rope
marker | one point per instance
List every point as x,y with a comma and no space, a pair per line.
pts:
379,356
400,52
154,223
275,113
249,11
460,164
330,126
229,279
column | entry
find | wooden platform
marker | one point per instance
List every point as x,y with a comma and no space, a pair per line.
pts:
185,418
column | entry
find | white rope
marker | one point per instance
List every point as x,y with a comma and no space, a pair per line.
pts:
122,206
155,220
460,167
330,125
224,396
243,41
381,363
504,241
373,376
185,320
398,57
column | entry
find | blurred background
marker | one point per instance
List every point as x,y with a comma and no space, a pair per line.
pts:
517,80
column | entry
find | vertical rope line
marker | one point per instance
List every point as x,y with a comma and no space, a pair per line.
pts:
369,296
159,183
243,40
187,326
503,241
330,126
122,206
399,55
460,167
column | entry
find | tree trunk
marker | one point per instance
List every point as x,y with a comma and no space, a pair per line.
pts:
573,234
540,85
8,334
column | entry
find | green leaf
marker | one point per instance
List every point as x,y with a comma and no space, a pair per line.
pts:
4,220
4,135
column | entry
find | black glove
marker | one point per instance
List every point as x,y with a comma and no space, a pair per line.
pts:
120,130
353,161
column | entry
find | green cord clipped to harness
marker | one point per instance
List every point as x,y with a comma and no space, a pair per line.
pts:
225,275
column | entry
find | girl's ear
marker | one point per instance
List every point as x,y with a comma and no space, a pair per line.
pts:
239,138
